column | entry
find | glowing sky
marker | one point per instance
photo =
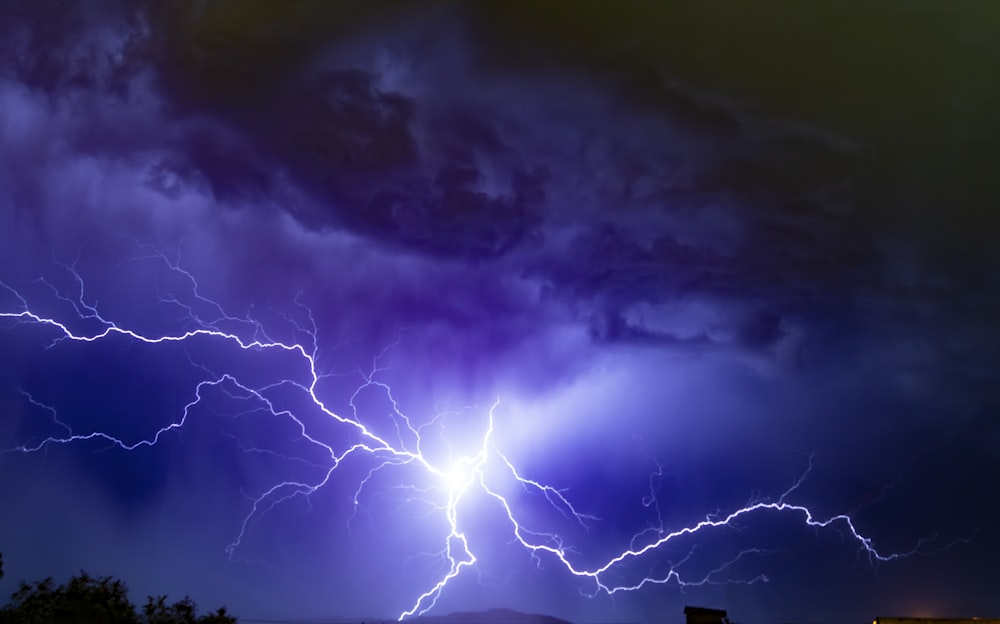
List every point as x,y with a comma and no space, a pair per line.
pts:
683,257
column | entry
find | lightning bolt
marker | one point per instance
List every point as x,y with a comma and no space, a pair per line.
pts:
481,468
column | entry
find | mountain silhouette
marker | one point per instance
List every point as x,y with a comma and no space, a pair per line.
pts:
490,616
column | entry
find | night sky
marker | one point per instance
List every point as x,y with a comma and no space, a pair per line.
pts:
660,262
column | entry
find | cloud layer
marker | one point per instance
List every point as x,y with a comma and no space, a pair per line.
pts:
650,274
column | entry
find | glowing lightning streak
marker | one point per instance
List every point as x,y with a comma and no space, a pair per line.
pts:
281,492
456,479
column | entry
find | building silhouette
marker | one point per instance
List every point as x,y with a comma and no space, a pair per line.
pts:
702,615
934,620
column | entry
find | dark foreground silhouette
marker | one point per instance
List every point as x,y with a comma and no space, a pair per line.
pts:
94,600
491,616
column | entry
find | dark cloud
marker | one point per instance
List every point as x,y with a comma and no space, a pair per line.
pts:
524,201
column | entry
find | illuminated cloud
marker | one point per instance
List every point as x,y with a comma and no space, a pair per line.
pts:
666,289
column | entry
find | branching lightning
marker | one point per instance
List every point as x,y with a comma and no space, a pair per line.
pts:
483,468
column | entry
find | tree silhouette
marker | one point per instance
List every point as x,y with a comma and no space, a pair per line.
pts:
94,600
157,611
83,599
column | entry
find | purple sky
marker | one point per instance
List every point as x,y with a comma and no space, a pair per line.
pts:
691,253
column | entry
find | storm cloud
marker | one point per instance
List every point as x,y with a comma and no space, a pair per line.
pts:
655,276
